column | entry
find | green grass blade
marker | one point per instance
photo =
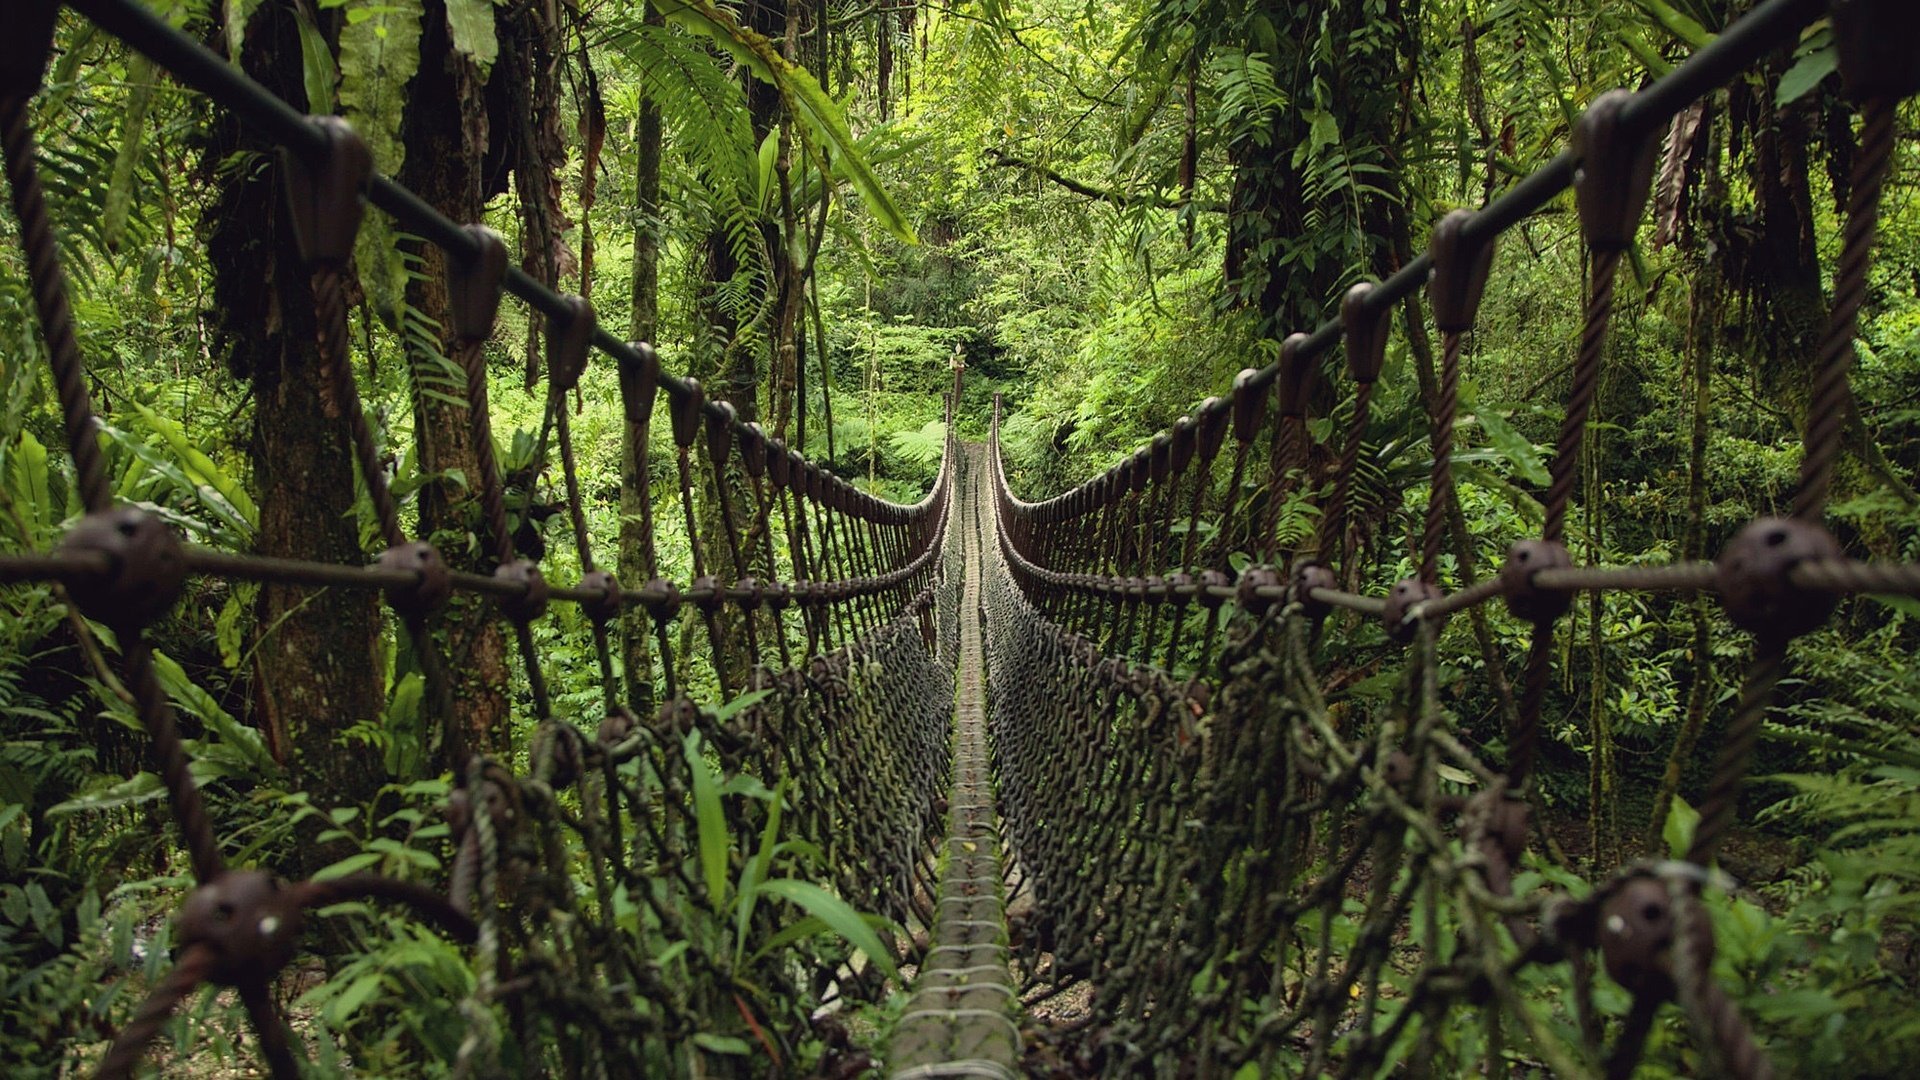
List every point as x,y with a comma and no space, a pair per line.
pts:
838,915
711,821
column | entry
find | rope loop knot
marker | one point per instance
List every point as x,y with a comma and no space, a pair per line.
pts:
432,586
1755,577
1406,594
246,922
530,602
140,572
1525,599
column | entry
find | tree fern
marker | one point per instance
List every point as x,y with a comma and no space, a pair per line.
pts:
703,107
434,375
820,119
923,447
1248,95
379,53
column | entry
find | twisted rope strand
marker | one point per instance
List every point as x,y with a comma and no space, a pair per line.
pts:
1829,399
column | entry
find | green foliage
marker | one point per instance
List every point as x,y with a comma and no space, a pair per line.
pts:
823,117
1816,59
379,52
924,447
470,23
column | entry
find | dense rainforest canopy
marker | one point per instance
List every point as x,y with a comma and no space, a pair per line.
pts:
1102,211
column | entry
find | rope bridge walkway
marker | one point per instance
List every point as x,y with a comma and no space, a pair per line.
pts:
960,1021
1234,873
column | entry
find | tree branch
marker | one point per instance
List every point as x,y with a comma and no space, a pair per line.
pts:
1121,199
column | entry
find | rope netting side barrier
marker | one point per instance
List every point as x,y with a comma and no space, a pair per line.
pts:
822,616
1251,877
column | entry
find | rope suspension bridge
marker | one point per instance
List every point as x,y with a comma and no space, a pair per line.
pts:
1064,737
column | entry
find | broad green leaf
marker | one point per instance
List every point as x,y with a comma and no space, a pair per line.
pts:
790,933
317,73
1378,686
46,918
237,15
188,695
721,1044
805,849
1905,605
756,870
200,468
1798,1005
87,913
1819,60
821,115
710,820
164,475
470,23
672,952
234,624
765,163
29,481
740,704
1522,501
838,915
1682,26
403,721
746,785
1677,833
1513,446
133,134
394,849
340,1010
138,788
352,864
1324,130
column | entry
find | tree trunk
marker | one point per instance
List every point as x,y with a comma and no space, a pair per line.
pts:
528,81
316,658
446,135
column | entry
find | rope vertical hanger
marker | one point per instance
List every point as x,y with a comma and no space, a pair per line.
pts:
1611,184
1460,271
1872,39
238,928
1365,336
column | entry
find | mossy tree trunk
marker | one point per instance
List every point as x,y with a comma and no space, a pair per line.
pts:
445,131
317,661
